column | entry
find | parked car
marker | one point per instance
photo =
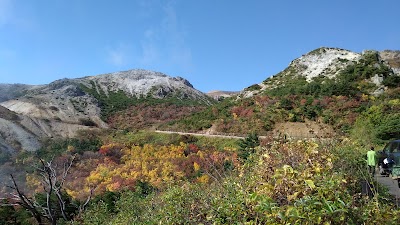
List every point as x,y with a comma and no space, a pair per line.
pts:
389,160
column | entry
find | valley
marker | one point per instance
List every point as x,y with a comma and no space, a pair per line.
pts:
145,147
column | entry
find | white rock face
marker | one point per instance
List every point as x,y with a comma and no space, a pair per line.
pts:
221,94
56,106
25,108
327,62
64,101
61,108
12,133
141,82
323,61
377,80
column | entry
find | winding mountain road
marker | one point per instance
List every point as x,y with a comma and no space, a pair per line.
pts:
199,134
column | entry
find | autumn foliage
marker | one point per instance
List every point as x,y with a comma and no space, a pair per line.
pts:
121,167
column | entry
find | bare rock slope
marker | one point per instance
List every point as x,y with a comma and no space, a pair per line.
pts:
219,95
63,107
13,135
11,91
326,63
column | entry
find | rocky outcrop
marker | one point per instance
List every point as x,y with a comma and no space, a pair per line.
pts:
14,137
392,58
59,109
139,83
323,62
328,63
219,95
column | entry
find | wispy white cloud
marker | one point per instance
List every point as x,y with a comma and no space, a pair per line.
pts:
179,52
164,43
116,57
150,53
119,55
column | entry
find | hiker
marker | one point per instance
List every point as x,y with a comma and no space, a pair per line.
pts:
371,160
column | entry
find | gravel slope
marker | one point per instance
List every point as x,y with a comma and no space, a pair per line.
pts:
61,108
16,137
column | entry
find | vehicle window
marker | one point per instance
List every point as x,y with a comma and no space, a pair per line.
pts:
387,147
395,147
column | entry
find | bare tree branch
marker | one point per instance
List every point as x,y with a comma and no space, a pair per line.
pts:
25,202
52,184
83,206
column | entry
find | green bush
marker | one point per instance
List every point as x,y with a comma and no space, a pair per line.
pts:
113,102
56,147
247,146
378,123
13,215
253,87
392,81
284,183
95,215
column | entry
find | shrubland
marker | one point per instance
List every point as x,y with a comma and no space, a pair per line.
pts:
134,176
347,102
142,177
132,113
299,182
152,178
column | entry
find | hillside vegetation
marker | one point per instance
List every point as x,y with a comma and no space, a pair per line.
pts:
119,102
148,178
132,175
284,183
64,106
347,94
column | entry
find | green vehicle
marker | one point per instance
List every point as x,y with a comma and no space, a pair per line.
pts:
389,160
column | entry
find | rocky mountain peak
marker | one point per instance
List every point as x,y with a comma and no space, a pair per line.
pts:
66,99
328,63
138,82
323,61
65,106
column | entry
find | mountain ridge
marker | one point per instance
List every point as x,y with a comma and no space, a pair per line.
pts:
327,62
64,106
326,86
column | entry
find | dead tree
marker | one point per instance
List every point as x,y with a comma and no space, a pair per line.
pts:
27,203
52,183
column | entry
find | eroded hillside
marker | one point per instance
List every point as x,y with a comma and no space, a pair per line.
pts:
65,106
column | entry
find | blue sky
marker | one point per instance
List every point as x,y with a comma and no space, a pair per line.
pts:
215,44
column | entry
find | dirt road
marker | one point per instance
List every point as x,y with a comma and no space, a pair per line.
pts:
197,134
391,184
